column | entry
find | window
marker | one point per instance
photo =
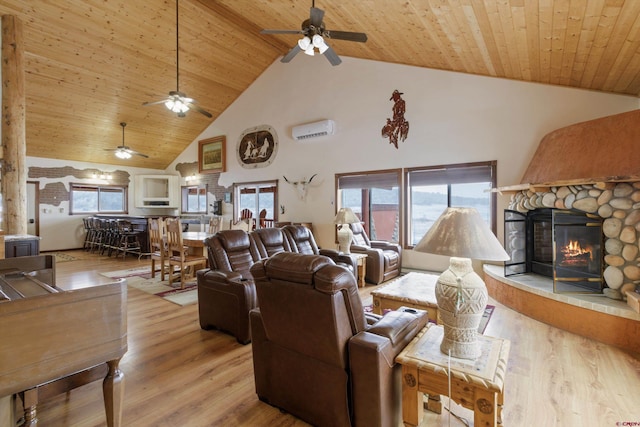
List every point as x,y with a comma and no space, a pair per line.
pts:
194,199
256,197
430,190
87,198
375,198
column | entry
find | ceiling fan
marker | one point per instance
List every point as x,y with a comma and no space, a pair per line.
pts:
177,101
314,33
122,151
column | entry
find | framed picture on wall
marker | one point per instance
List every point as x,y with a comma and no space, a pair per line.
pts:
211,155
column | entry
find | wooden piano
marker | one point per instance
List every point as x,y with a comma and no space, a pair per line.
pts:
48,334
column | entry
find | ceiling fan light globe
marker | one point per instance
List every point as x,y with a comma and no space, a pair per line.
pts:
309,50
122,154
322,49
304,43
318,41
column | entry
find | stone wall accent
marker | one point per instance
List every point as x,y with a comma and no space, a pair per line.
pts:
211,179
54,193
619,205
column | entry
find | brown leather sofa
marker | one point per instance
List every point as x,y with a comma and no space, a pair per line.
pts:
384,259
314,354
226,292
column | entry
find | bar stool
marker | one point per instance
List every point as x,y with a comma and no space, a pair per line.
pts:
128,241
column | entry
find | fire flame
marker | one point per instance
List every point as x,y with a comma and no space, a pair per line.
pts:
573,249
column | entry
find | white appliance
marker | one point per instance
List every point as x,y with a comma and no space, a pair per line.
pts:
313,130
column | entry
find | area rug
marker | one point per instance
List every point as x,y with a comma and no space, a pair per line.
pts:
130,272
140,278
486,316
62,257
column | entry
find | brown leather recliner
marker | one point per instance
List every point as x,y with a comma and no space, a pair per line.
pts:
314,354
270,241
384,259
301,241
226,292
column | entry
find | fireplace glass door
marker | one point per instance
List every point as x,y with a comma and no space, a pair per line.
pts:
578,252
564,245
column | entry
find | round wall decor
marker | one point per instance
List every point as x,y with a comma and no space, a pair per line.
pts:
257,147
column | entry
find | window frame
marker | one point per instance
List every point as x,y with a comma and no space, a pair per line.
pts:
450,173
238,188
98,188
184,196
369,178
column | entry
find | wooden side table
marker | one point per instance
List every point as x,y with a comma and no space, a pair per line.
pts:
475,384
361,260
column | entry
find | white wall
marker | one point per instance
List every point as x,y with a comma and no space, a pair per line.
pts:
58,229
454,118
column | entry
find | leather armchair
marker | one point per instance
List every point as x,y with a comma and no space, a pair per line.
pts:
226,292
270,241
384,259
301,241
314,354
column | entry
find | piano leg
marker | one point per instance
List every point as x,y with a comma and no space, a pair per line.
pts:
29,403
113,390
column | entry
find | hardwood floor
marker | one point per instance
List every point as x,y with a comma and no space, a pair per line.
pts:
179,375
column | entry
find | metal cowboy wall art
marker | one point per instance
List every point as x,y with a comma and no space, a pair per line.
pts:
397,127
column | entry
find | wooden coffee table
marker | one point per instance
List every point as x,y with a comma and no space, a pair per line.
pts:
475,384
416,290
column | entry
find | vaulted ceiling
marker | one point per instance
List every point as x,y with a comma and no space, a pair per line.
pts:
90,64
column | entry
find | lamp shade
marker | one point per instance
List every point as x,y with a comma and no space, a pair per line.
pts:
346,216
461,232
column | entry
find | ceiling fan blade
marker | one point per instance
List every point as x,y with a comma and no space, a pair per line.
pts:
193,106
316,17
154,103
346,35
332,56
281,32
137,154
293,52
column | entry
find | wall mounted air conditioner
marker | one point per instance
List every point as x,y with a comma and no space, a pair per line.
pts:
313,130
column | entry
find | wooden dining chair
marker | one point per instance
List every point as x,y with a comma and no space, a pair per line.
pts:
178,253
242,224
158,245
214,224
264,221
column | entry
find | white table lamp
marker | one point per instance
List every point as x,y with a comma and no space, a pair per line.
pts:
461,234
345,217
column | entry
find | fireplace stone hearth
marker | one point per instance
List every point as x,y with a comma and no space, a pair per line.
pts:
618,204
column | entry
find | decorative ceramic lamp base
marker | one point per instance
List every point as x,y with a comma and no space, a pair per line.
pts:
344,238
462,297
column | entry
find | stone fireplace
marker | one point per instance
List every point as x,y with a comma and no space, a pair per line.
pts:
591,171
591,167
616,205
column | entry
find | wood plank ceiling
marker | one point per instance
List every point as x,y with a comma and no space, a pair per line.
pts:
89,64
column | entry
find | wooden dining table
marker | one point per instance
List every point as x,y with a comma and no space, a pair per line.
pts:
195,241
